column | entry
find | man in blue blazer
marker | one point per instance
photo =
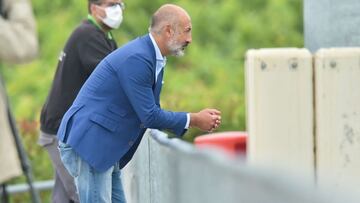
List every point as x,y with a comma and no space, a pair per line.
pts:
102,129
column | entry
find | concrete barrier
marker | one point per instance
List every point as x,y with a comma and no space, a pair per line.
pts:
303,120
280,110
174,171
337,84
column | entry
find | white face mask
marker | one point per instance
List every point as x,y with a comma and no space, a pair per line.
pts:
113,17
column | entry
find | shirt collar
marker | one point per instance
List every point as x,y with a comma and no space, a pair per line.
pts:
92,20
159,58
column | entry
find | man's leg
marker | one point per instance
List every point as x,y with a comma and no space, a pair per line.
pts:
64,189
92,185
118,195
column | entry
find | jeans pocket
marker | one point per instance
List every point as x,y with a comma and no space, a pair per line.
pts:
70,159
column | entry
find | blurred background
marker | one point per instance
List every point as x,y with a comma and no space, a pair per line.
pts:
211,74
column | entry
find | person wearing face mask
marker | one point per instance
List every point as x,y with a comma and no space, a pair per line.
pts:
88,44
101,131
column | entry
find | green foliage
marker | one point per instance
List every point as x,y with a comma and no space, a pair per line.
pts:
210,75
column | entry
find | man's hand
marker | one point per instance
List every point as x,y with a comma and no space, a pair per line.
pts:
206,120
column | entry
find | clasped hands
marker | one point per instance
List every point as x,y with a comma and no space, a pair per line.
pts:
206,120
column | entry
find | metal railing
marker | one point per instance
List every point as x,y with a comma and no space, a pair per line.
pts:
21,188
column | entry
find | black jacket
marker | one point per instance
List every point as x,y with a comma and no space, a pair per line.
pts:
85,48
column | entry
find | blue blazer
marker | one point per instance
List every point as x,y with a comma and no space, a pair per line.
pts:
116,104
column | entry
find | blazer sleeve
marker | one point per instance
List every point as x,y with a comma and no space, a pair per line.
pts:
136,78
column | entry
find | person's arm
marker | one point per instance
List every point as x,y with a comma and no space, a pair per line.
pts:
18,39
135,78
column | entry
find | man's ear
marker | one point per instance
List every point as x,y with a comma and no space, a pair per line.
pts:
168,30
93,9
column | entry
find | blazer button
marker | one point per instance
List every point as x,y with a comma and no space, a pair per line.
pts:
131,143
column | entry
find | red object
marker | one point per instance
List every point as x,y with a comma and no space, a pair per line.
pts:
233,142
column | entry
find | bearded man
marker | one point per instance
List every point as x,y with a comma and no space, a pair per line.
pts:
101,131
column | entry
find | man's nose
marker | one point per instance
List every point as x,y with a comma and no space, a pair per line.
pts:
189,40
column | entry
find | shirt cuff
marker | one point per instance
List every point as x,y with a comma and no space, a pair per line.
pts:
188,121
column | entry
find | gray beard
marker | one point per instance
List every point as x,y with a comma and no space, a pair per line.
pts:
176,49
179,53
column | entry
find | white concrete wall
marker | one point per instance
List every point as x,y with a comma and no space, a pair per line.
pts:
280,110
135,176
337,90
